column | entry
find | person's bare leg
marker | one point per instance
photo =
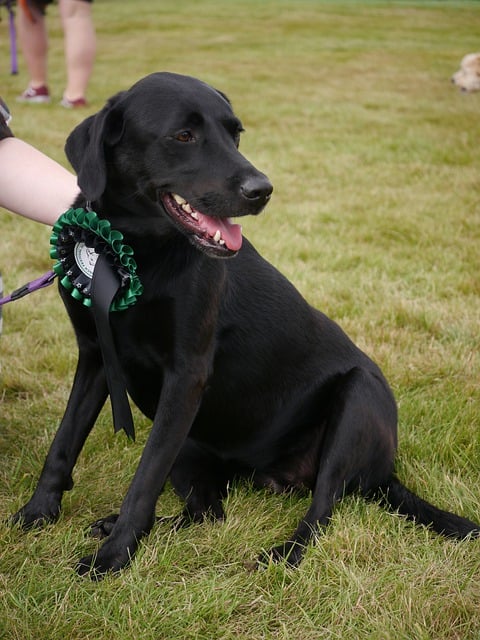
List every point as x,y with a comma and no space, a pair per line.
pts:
32,32
80,46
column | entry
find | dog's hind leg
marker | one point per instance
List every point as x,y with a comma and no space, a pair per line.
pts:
87,397
200,478
357,452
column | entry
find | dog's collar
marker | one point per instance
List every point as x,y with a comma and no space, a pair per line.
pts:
99,270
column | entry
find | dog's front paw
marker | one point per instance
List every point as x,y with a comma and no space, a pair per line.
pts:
290,552
36,514
105,561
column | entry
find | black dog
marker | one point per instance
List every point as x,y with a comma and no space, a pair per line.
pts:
240,376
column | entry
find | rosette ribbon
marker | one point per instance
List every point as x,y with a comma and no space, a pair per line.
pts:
98,269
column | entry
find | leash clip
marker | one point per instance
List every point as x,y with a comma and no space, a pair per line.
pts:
20,292
44,281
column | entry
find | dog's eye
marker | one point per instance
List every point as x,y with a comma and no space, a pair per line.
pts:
185,136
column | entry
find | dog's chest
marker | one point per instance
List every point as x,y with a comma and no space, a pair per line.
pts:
144,336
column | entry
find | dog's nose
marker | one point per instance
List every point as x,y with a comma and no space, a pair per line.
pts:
257,187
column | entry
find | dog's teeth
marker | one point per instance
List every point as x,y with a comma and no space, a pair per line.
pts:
178,199
218,236
222,242
187,208
194,214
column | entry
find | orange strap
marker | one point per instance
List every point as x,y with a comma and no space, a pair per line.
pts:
26,8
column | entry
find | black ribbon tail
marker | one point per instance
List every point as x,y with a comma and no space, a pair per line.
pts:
105,284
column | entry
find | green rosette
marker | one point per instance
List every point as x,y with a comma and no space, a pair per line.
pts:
77,238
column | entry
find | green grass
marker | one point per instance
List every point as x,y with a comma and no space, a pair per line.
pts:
375,217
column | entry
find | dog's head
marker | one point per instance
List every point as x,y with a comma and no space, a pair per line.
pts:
467,78
169,147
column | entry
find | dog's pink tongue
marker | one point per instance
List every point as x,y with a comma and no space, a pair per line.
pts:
230,233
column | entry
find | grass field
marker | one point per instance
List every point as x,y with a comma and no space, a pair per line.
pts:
376,218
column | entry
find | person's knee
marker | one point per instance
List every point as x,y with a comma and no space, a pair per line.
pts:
71,9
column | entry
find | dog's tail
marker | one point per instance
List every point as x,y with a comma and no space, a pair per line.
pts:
396,497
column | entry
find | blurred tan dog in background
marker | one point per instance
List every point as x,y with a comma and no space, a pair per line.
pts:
467,78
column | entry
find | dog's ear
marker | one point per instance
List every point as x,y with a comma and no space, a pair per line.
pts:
86,145
225,97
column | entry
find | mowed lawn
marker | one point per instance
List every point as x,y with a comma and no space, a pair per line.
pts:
374,157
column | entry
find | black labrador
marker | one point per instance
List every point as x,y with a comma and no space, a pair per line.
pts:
241,377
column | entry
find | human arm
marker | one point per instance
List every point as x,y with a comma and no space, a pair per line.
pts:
32,184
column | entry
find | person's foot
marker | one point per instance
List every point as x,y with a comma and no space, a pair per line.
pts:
73,104
35,95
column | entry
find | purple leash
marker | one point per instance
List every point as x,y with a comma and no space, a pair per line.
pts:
13,39
13,35
44,281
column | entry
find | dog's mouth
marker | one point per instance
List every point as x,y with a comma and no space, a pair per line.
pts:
215,236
